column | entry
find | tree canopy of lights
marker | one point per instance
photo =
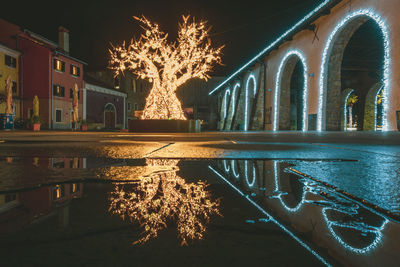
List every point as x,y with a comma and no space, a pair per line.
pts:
161,197
167,65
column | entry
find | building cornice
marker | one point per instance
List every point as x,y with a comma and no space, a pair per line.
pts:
99,89
9,51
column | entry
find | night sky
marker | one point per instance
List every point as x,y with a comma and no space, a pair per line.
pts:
245,27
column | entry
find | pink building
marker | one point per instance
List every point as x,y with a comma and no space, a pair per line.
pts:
48,71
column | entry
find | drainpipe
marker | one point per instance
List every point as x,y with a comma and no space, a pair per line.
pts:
51,90
21,80
124,99
265,90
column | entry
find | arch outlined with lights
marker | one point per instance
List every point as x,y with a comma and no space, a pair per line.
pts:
302,58
322,98
226,108
247,99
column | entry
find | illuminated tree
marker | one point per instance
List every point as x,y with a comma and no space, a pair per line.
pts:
154,200
167,65
353,99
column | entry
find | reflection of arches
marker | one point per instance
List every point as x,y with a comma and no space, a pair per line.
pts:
369,236
226,167
371,112
330,77
294,59
345,97
110,116
298,190
253,81
235,172
254,173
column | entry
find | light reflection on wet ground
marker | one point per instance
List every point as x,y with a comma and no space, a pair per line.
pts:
60,205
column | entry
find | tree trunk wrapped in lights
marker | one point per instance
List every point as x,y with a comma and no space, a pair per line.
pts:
167,65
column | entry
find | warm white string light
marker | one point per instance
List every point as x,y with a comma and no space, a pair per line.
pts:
167,65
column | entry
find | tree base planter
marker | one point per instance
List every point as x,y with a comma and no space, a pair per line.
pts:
164,126
36,127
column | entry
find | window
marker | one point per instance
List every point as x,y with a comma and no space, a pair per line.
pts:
129,106
58,191
30,113
135,106
14,87
75,188
10,61
74,163
58,115
58,90
59,164
74,70
59,65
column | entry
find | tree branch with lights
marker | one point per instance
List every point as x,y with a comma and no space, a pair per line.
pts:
167,65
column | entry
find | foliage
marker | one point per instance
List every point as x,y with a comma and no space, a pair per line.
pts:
82,121
35,120
353,98
379,97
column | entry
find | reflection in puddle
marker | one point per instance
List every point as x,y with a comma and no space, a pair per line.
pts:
154,200
322,216
20,209
154,194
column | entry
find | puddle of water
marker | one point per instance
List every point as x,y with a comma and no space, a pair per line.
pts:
236,212
353,231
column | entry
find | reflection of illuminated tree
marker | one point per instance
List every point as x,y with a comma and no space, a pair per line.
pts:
155,199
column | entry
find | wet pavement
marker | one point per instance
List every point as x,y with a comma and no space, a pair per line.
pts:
124,200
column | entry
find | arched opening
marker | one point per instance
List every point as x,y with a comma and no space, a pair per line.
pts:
291,93
373,115
109,116
250,94
356,57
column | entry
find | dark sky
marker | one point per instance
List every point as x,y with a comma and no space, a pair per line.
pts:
245,27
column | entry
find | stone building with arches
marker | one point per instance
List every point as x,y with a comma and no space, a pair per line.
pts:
337,69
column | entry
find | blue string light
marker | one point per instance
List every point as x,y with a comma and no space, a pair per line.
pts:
271,218
228,91
235,173
300,54
247,99
246,174
270,46
377,231
386,69
289,209
345,109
